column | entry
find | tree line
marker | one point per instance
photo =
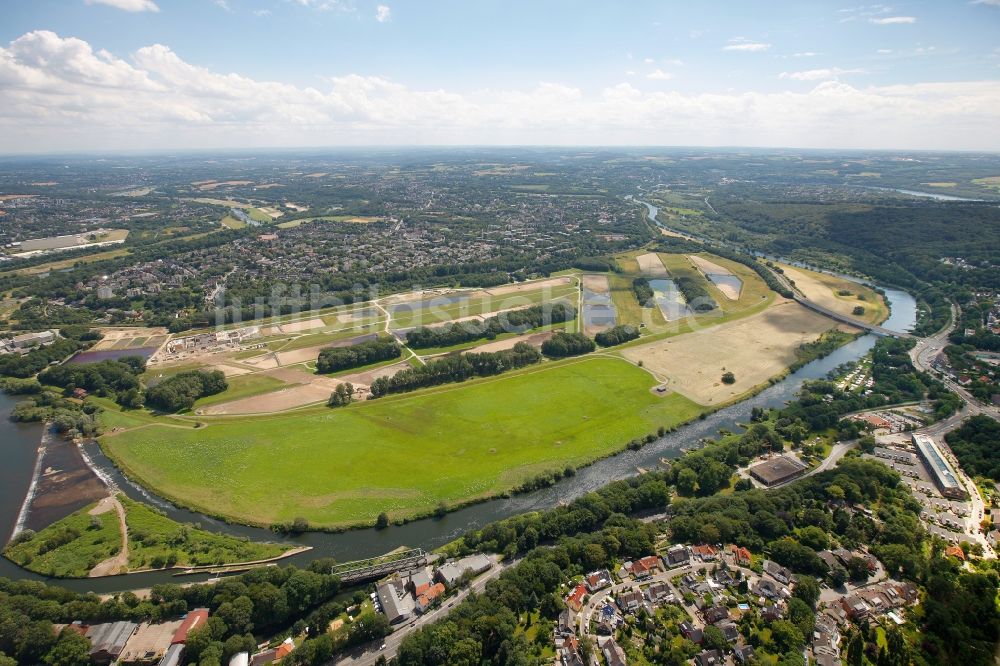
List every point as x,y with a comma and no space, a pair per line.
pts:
333,359
513,321
564,344
456,368
617,335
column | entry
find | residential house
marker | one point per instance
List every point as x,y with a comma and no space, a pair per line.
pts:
630,600
705,552
575,598
677,556
598,580
709,658
778,572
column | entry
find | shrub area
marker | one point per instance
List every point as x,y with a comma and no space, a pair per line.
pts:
69,548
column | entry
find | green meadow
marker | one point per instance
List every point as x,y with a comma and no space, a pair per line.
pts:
405,455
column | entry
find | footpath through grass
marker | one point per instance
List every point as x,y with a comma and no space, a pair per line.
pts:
405,454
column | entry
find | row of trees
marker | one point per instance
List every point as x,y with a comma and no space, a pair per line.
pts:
564,344
334,359
618,335
643,292
182,390
697,297
456,368
514,321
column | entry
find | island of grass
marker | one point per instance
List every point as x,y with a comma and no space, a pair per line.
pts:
87,542
68,548
405,455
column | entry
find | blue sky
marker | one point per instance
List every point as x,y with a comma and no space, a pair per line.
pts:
294,72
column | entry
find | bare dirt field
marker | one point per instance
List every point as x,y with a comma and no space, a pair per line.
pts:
754,349
598,283
651,265
276,401
231,370
823,288
706,266
529,286
534,339
302,325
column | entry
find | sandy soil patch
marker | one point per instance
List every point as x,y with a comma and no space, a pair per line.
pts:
824,292
297,208
650,264
597,283
299,326
263,362
271,212
529,286
276,401
365,379
11,197
754,349
291,375
231,370
318,174
706,266
534,339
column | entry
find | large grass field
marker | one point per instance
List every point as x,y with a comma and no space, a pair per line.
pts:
404,454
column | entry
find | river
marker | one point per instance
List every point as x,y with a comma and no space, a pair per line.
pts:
19,443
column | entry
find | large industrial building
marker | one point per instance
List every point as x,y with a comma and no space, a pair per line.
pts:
942,473
777,470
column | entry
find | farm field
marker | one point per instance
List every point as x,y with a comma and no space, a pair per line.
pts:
823,289
404,454
754,348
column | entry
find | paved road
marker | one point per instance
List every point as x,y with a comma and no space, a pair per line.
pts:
367,655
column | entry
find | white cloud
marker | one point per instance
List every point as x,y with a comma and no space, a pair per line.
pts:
818,74
991,3
127,5
741,44
326,5
649,61
61,94
659,75
223,4
262,12
884,51
805,54
383,13
893,20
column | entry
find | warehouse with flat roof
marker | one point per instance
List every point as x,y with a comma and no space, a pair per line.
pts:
942,473
777,470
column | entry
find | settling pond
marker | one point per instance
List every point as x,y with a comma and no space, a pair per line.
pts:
19,444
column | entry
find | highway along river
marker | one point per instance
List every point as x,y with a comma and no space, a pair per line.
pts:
19,445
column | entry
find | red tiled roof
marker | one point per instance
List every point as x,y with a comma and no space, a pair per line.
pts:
192,620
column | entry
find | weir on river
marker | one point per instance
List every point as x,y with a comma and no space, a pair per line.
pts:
19,443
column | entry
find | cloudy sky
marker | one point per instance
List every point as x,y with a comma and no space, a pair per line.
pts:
102,75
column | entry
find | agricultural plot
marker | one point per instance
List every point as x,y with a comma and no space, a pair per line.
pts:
650,265
839,294
753,348
404,454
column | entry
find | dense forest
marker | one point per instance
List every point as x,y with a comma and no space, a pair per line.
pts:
180,392
977,446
